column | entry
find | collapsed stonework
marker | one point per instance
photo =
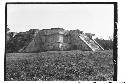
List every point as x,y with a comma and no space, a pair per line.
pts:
57,39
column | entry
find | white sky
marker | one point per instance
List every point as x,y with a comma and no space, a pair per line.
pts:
93,18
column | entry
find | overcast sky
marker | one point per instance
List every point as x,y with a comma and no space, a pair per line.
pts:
92,18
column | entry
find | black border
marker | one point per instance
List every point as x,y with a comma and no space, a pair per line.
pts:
115,55
5,41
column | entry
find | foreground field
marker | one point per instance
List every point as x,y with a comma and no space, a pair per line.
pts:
60,65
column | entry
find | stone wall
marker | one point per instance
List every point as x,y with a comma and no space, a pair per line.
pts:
56,39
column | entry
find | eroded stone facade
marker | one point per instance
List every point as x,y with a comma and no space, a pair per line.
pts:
56,39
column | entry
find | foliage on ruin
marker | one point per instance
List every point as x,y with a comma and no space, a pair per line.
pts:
22,39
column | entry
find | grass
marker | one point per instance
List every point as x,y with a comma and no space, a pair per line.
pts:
60,65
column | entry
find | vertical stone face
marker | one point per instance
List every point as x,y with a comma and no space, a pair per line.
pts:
53,42
56,39
60,38
60,42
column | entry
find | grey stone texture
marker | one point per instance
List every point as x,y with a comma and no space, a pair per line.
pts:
56,39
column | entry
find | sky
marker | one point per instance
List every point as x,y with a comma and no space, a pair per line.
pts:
89,18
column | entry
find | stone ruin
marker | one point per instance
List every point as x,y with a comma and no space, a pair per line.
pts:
58,39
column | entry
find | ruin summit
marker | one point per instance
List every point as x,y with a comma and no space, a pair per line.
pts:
58,39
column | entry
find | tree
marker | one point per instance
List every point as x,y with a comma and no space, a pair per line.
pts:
106,44
20,40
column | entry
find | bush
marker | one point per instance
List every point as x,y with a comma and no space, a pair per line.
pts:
106,44
20,40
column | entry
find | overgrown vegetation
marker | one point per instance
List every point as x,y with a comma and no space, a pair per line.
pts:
22,39
60,65
106,44
57,65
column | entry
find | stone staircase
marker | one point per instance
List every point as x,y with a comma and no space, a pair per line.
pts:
90,42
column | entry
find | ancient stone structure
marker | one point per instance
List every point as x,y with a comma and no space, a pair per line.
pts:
54,39
57,39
